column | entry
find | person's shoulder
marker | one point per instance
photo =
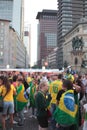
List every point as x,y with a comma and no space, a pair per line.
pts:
2,86
51,84
61,91
55,82
60,94
12,86
59,82
39,95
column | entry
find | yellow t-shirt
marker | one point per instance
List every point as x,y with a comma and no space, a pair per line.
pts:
9,95
54,88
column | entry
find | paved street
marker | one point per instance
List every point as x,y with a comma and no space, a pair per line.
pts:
29,124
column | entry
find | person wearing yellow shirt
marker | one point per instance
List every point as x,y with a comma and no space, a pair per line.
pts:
54,88
7,91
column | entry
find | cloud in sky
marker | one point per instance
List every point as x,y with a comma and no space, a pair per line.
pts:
32,7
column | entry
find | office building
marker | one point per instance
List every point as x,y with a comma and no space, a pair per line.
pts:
52,58
47,33
80,31
27,41
69,13
12,49
13,10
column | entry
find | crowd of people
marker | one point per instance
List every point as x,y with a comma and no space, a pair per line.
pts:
57,100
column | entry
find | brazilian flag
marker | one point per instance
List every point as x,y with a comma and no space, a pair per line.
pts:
65,113
32,92
21,101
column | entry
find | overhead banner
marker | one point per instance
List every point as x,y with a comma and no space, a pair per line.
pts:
34,70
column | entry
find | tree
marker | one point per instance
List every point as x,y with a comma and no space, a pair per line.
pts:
35,67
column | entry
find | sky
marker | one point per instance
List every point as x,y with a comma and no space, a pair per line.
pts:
31,8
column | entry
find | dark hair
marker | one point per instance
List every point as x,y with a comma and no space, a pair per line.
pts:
60,76
7,84
2,78
68,84
79,82
14,78
79,77
20,79
10,80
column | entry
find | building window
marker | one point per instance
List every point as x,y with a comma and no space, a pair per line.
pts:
66,4
51,39
84,56
1,53
67,15
67,11
85,29
1,46
66,0
6,9
67,22
1,38
85,42
2,24
1,61
1,31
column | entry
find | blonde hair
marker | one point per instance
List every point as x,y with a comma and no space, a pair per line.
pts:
42,84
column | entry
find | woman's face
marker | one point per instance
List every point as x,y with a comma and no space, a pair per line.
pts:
46,87
19,80
1,82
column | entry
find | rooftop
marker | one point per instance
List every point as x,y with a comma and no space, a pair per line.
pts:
46,12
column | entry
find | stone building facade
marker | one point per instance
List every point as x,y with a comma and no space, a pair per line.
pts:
69,56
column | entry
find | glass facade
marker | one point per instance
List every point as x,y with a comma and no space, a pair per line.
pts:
13,10
6,9
47,33
51,39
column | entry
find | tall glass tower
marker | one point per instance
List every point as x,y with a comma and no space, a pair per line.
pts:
13,10
69,13
6,9
47,33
